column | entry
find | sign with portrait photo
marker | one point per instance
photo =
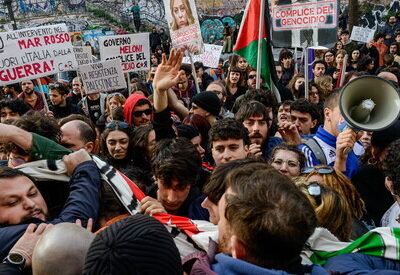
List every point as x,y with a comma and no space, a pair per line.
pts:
184,25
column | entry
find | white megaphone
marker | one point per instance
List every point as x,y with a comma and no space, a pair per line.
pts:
369,103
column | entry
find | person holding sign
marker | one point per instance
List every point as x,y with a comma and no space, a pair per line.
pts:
181,14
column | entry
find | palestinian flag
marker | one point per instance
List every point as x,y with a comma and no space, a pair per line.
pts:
247,41
381,242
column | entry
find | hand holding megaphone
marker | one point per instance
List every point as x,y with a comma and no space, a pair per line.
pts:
368,103
345,141
360,113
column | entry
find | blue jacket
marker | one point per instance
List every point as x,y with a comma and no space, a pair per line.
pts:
360,264
328,144
82,203
270,143
7,269
229,266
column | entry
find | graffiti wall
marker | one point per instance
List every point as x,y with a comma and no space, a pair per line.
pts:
38,8
74,23
375,14
211,28
220,7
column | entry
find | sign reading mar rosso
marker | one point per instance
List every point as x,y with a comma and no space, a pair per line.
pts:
35,52
132,49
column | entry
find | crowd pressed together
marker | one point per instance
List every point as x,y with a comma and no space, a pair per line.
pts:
164,179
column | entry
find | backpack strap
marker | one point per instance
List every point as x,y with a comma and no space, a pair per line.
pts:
314,146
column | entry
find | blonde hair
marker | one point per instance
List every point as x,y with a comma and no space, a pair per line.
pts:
118,96
325,84
341,184
174,25
333,212
291,86
342,52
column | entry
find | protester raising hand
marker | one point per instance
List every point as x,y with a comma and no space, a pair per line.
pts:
167,75
168,72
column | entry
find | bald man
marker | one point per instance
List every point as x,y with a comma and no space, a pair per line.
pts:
388,76
61,250
77,134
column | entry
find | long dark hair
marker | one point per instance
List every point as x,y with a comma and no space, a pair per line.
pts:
111,127
202,125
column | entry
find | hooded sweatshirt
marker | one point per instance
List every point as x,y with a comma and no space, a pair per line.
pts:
130,105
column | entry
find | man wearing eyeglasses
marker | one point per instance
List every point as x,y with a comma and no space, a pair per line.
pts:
138,110
59,106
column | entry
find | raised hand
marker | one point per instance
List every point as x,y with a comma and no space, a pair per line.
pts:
345,139
289,132
168,73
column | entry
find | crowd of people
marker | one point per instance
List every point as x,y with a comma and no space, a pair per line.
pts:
163,178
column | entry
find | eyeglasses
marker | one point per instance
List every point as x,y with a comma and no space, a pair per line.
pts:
140,113
314,189
252,76
290,163
55,85
329,55
321,170
114,124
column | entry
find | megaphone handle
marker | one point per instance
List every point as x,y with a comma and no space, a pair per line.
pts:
347,150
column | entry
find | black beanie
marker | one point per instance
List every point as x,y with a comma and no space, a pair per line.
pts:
382,139
134,245
187,131
209,101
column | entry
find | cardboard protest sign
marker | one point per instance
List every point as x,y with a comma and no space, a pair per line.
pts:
209,58
184,25
361,34
102,76
83,55
36,52
132,49
305,23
